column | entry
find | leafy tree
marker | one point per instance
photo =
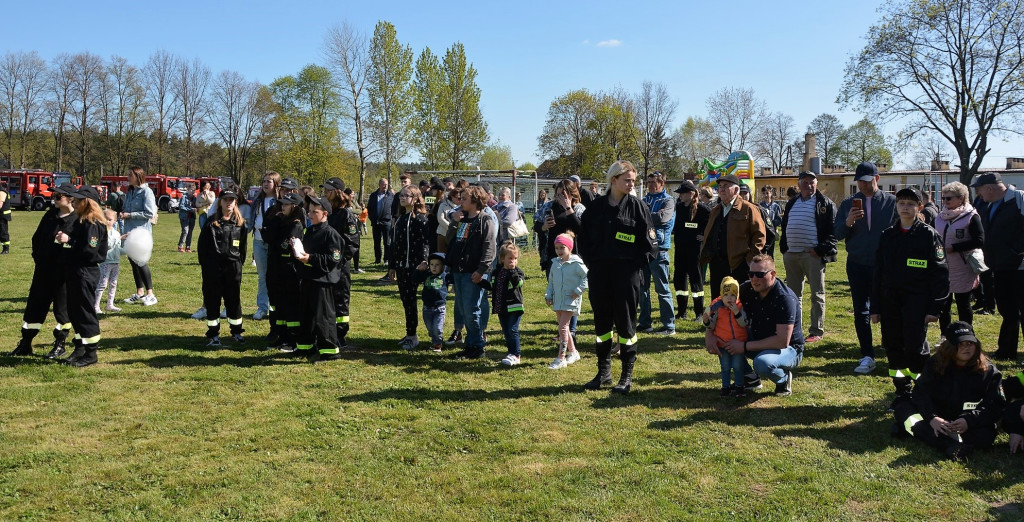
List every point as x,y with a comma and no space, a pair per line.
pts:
826,129
390,94
527,166
694,141
566,129
496,156
427,101
861,142
463,130
306,122
949,66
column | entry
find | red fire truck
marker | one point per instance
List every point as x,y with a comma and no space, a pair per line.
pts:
165,188
32,189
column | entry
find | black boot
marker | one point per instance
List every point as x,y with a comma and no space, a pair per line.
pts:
59,336
88,357
626,380
604,367
236,333
6,250
76,354
681,307
24,346
698,307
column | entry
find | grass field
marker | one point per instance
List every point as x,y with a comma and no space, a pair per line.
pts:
164,428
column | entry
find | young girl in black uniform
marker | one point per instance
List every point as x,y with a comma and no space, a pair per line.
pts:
222,250
617,242
319,272
691,220
282,223
409,248
346,224
48,278
85,247
911,282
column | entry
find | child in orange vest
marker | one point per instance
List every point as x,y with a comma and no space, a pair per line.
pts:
726,319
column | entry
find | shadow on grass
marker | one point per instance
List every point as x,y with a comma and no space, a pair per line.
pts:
431,394
201,361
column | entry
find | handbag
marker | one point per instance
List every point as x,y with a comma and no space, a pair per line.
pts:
518,228
976,260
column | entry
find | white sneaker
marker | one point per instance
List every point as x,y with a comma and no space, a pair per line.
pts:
200,314
510,360
867,365
557,364
112,308
99,310
134,299
149,300
572,357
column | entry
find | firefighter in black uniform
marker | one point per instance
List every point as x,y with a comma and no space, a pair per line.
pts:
48,278
957,400
5,218
346,223
283,222
320,271
221,248
617,242
911,282
84,248
691,220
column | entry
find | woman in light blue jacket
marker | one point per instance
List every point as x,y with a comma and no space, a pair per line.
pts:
566,283
138,211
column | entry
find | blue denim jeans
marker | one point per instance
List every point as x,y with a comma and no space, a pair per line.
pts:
433,319
658,268
737,364
469,297
773,364
510,328
259,253
861,278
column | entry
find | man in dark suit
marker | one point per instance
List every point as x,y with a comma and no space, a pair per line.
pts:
379,208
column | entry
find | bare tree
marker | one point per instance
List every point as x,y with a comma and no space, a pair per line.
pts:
58,108
87,76
952,67
737,116
240,112
773,142
159,78
23,81
347,57
123,108
653,110
694,141
190,82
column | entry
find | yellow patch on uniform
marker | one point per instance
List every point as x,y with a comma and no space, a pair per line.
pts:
622,236
917,263
690,225
234,243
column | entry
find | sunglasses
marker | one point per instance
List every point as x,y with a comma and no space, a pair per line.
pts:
948,198
751,274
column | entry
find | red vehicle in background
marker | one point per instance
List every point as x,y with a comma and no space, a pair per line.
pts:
32,189
165,188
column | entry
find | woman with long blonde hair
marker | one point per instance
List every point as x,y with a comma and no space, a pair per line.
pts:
85,247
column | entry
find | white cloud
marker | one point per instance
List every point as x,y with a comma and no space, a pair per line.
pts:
609,43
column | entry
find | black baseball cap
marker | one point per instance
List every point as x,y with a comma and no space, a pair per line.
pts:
228,194
65,189
866,171
806,173
959,331
86,192
290,184
292,198
987,178
334,183
686,186
910,193
322,201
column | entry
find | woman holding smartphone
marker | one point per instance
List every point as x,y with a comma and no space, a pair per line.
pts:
563,216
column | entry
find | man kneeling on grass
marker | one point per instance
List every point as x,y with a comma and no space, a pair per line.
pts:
775,341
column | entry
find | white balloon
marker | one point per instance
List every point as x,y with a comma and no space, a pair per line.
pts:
139,245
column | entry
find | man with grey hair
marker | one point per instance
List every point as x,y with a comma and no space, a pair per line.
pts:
1003,220
507,213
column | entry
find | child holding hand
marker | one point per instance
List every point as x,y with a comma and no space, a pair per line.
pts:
566,282
726,319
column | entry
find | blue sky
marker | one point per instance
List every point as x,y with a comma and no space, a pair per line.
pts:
527,53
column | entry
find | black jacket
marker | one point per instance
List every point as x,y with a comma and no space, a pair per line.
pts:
960,393
384,217
44,244
346,223
1004,234
278,231
323,244
1013,386
471,245
911,262
824,221
222,241
87,244
511,298
686,229
411,243
621,233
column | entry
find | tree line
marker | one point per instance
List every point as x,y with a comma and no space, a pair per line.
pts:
367,106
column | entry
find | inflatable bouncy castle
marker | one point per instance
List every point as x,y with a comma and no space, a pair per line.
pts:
739,163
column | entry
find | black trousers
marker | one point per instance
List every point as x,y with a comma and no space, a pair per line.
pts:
283,293
223,282
5,235
614,296
904,334
1009,293
47,288
407,293
978,436
81,284
687,277
318,320
381,241
342,291
142,275
719,268
963,309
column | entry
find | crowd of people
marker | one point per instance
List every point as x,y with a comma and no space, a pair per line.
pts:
906,265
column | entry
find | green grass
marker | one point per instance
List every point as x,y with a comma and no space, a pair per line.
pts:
165,428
